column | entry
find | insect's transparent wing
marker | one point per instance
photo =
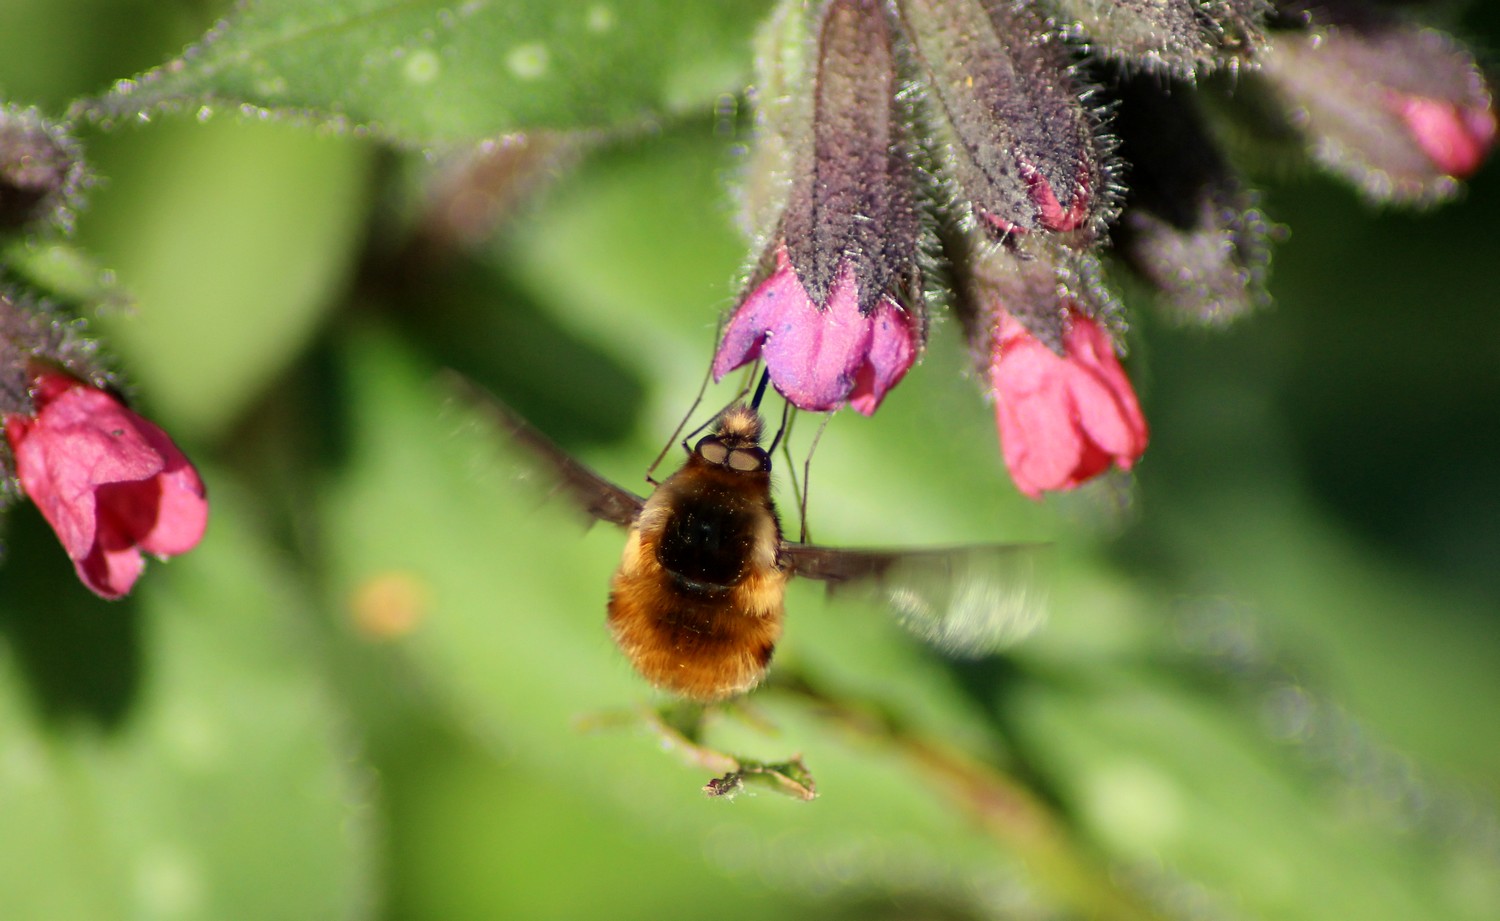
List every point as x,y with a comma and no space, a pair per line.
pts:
968,601
598,497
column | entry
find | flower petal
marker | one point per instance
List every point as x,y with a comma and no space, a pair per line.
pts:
893,348
813,354
1104,401
1062,419
110,483
819,358
182,506
1455,138
110,573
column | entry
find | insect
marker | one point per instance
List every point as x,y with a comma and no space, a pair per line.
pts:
697,603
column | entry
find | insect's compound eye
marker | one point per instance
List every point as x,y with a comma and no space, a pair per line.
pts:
748,460
712,450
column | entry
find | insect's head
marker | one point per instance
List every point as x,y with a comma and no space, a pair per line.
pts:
735,442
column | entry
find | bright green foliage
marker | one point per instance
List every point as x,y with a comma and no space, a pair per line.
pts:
425,71
222,306
179,756
382,686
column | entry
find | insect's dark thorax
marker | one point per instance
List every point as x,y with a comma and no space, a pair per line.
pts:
709,538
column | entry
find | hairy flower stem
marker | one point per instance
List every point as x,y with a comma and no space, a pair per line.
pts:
1012,815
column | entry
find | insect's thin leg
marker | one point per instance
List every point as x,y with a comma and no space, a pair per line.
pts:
697,401
791,467
783,430
807,473
760,389
739,395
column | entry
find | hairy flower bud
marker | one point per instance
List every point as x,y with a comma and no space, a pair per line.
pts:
1036,280
32,333
1399,109
40,171
1037,316
1183,37
836,311
1009,114
110,483
1015,156
1190,228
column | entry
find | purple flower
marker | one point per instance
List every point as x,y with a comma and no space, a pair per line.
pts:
1006,139
821,355
839,316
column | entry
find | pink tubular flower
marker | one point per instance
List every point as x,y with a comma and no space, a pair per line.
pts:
836,307
1062,419
820,356
110,483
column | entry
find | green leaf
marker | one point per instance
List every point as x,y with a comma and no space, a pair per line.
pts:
175,756
426,71
232,238
1187,785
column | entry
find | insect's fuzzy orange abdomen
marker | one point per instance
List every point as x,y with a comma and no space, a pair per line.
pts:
701,640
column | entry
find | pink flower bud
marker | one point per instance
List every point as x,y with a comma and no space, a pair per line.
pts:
1455,138
1400,109
1009,116
1063,419
109,482
821,355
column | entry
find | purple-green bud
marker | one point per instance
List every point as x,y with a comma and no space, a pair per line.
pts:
852,200
1399,109
835,308
41,173
1009,117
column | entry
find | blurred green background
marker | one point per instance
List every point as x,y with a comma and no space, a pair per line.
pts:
381,687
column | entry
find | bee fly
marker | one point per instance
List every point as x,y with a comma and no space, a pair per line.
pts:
697,602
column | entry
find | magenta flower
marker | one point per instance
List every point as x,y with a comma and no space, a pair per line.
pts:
110,483
836,309
821,356
1063,419
991,151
